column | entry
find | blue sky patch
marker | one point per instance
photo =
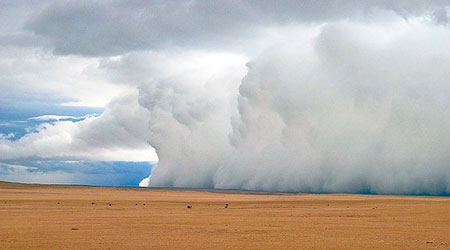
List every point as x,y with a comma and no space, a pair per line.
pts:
96,173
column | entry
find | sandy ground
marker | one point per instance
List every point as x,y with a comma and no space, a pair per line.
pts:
73,217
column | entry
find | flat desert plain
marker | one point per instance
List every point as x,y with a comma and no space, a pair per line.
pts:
79,217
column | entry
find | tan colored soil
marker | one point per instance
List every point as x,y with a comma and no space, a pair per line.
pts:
64,217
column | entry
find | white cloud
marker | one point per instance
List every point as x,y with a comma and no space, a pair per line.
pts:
31,73
116,135
354,107
144,182
60,117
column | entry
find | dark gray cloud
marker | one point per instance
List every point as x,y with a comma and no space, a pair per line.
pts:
99,28
13,15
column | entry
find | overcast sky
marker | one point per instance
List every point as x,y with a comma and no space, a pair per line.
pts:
320,96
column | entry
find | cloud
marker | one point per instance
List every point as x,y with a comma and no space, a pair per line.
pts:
61,117
99,28
116,135
5,137
352,107
189,115
144,182
30,75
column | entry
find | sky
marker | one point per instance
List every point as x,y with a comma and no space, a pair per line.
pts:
292,96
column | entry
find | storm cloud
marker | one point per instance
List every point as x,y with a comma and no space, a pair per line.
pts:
298,96
102,28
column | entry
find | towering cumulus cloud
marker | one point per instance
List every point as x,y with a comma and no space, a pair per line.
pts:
341,107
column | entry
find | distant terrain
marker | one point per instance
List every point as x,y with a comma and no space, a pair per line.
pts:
79,217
